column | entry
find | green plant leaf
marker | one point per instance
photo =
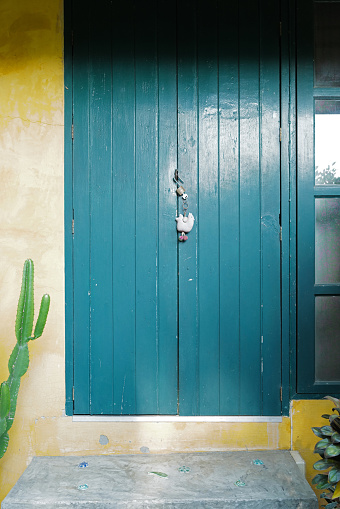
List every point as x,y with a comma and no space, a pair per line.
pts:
332,451
320,452
323,464
335,438
319,478
331,505
334,400
326,416
159,474
327,430
322,485
317,431
334,475
4,439
322,444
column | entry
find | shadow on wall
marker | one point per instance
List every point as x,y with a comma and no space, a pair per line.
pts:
25,40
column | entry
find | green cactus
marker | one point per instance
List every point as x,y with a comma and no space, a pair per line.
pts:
19,358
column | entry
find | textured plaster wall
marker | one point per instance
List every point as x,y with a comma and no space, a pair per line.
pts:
304,416
31,212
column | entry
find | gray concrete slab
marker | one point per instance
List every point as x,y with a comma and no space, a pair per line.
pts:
213,480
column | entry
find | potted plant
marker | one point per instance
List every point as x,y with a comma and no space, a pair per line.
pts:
328,447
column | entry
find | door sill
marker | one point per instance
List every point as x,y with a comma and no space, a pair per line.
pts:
175,418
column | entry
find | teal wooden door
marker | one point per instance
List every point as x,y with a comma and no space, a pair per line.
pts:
162,327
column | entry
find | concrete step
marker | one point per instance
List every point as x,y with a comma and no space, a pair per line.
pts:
209,480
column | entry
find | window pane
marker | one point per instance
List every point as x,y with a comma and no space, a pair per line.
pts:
327,142
326,44
327,338
327,241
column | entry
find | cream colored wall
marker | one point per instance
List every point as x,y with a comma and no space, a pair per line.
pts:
31,208
31,169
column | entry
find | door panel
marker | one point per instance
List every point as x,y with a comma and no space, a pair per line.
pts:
229,241
124,214
168,250
269,91
81,207
188,144
163,327
101,189
250,212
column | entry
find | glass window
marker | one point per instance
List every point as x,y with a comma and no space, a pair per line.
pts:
327,338
327,241
318,205
326,44
327,142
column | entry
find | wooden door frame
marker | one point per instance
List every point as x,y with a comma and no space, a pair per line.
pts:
68,206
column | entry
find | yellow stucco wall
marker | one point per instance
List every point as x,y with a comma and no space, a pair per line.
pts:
31,169
304,416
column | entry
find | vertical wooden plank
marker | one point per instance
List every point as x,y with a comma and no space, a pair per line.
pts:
187,165
305,197
229,213
289,234
208,204
146,210
286,288
101,352
81,210
68,209
250,241
270,206
167,250
124,208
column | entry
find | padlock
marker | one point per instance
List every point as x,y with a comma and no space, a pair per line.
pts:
180,190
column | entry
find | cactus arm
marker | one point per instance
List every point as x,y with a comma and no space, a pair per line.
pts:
20,309
25,311
28,309
42,317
